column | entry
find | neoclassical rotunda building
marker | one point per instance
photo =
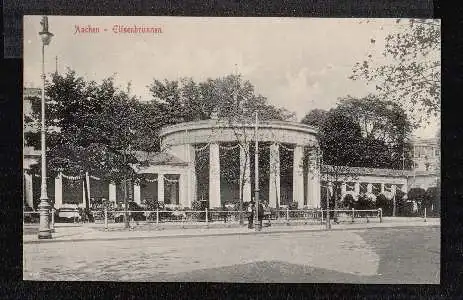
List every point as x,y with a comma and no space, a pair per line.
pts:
214,161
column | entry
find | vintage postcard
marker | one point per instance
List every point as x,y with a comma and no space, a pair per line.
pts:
231,149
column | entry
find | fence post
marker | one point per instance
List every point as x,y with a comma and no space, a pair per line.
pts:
425,214
106,219
207,218
321,223
380,215
353,215
368,220
287,215
131,221
52,227
157,215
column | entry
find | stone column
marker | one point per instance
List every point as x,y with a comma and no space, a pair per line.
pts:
298,176
112,192
59,191
181,191
369,188
357,188
28,189
316,191
382,188
393,189
191,180
343,189
137,192
405,187
84,203
160,187
87,179
313,182
214,176
274,184
245,173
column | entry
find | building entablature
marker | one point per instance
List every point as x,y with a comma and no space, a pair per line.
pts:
210,131
344,171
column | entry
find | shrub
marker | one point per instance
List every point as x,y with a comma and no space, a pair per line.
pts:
293,205
364,202
407,210
196,205
385,204
433,194
418,195
401,203
348,202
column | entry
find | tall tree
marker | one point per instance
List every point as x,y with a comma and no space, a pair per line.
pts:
411,74
377,129
91,123
340,139
228,97
362,132
384,128
316,117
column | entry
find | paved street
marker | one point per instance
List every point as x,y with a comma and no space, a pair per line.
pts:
380,255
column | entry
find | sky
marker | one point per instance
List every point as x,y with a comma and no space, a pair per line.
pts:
296,63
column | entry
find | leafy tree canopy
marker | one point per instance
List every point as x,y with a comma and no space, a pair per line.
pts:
363,132
229,97
411,74
97,125
87,135
315,117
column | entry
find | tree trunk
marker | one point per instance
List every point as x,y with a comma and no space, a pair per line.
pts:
126,217
241,206
328,200
335,198
87,202
86,195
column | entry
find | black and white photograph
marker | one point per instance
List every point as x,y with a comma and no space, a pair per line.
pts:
231,149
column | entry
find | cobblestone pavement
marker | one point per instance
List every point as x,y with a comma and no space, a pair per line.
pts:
400,255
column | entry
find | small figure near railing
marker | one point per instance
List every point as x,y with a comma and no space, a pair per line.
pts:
250,214
267,214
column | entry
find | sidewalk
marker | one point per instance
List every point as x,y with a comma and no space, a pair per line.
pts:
88,232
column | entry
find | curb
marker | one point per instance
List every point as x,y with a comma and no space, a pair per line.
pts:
221,234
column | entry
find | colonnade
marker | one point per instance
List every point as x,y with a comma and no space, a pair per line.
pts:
313,180
369,187
112,193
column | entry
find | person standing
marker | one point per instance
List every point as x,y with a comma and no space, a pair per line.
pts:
224,212
267,213
260,215
250,213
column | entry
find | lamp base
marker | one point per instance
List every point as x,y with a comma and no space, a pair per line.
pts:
44,225
45,235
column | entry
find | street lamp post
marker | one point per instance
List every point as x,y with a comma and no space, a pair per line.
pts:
256,175
44,206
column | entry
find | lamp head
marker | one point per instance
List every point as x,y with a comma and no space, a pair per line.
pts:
46,37
45,34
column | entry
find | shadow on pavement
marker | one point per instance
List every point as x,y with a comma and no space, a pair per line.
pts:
267,271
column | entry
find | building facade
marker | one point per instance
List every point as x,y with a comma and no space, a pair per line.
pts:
214,161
